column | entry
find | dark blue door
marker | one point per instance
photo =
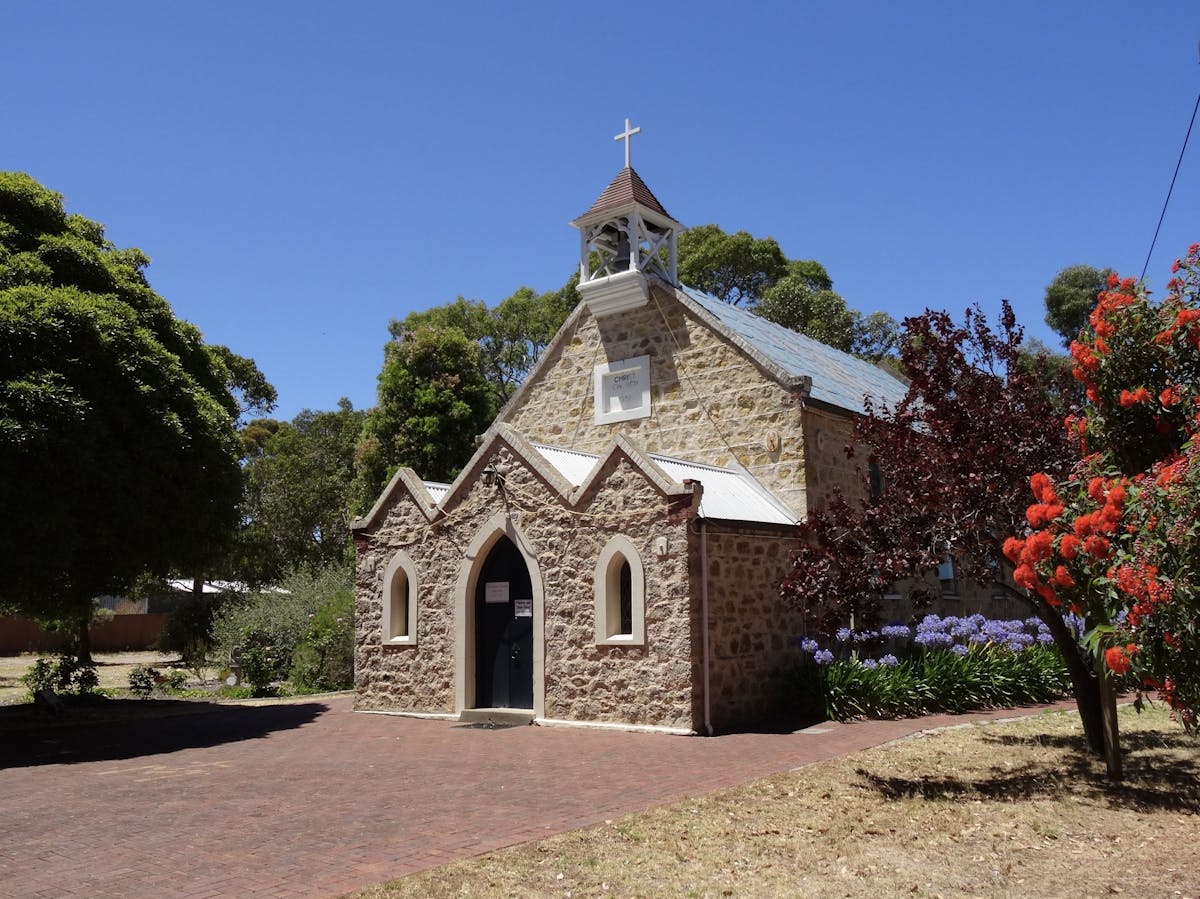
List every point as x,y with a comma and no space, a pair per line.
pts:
504,630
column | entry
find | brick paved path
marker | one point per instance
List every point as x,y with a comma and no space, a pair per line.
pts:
310,799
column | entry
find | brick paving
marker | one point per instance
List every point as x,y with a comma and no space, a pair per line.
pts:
311,799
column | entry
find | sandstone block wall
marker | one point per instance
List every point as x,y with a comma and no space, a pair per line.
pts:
752,655
417,678
650,684
710,403
827,434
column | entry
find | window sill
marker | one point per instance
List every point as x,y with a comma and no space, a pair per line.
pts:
621,640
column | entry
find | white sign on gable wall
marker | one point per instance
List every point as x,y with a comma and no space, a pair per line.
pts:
622,390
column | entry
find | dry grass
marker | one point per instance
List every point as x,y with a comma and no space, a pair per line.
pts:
1012,810
112,668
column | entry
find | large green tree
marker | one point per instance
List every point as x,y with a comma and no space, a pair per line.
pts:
1071,296
432,401
797,302
741,269
736,268
510,335
298,493
446,373
118,449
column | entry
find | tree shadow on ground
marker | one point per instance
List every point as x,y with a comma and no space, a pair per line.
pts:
1162,772
161,726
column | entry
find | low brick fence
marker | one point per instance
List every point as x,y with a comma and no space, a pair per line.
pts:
122,633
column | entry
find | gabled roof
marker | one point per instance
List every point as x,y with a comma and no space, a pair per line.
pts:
625,189
728,493
838,378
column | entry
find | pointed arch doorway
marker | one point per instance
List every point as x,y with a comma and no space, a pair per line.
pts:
503,605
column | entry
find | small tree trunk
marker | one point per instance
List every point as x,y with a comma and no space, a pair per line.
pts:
1083,678
1112,735
83,641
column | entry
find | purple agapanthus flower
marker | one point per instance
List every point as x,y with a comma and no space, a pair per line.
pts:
823,657
809,645
889,661
843,634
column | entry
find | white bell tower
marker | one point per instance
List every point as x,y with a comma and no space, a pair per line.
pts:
625,238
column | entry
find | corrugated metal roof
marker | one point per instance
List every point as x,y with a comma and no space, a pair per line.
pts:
627,187
437,490
728,493
838,378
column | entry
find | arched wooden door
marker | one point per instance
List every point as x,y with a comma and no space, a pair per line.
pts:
504,630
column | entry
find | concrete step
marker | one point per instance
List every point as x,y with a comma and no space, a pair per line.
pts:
497,717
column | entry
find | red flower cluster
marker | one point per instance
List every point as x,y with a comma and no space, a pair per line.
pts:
1133,397
1118,658
1026,553
1048,507
1142,584
1091,527
1171,471
1183,321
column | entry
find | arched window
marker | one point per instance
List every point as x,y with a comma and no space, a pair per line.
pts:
620,591
399,602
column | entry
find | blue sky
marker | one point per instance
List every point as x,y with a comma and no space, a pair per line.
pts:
302,173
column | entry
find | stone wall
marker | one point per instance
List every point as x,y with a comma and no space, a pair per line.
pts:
752,655
650,684
710,402
827,434
412,678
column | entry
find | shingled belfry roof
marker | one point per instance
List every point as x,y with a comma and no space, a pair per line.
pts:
628,187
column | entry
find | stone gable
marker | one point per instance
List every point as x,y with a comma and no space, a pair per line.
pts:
711,403
583,681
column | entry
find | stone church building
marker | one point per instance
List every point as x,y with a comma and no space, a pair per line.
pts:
610,554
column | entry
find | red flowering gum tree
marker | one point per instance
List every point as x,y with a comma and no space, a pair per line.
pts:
1118,539
950,478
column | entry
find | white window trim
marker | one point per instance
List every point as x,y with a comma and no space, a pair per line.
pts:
603,376
602,582
400,564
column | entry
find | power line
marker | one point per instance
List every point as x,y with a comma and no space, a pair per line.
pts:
1171,188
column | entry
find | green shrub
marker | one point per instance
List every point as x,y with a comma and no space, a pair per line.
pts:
66,674
42,675
279,619
951,664
260,660
324,660
142,681
174,681
939,680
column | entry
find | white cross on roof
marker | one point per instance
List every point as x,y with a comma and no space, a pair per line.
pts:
625,136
